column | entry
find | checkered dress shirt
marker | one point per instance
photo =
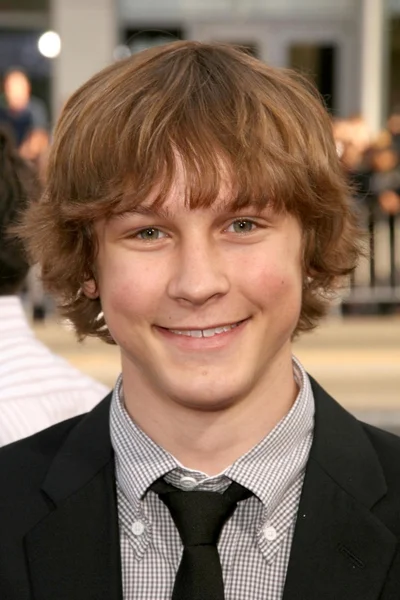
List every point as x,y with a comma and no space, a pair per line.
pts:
255,542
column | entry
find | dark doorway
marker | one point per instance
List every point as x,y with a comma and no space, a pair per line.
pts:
394,66
319,63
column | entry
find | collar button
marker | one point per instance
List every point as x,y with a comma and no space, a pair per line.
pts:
270,533
137,528
188,482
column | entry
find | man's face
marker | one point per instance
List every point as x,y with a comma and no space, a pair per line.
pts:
203,302
17,90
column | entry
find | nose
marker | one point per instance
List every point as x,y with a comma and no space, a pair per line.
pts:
200,273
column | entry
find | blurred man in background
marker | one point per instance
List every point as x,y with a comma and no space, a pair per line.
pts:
385,173
25,115
371,162
26,118
37,387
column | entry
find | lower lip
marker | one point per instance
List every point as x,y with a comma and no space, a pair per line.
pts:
219,340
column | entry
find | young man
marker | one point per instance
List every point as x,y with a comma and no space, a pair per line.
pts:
38,388
196,215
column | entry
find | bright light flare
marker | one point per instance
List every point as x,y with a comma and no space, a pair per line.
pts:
49,44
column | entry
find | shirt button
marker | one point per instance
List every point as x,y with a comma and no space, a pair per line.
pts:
137,528
188,482
270,533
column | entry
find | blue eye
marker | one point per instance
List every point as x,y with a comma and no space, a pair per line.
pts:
149,234
242,226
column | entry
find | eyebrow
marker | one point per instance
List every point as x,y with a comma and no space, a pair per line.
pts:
164,212
147,211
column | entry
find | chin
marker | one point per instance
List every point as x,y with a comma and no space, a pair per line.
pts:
208,399
207,405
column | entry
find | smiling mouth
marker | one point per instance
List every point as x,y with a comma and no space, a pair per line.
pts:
206,333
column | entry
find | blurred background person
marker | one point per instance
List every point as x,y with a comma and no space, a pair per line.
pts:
25,115
27,119
37,388
352,141
393,126
371,162
385,173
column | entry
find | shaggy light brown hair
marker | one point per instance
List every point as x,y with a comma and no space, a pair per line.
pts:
209,104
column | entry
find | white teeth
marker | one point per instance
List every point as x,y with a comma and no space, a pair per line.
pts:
211,332
198,333
195,333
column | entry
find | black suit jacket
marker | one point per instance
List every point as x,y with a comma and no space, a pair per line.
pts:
59,528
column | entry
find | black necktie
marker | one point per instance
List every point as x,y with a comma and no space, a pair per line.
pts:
199,518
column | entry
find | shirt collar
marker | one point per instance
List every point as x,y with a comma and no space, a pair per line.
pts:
280,450
140,461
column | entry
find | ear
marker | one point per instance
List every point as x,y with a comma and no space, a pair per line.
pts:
89,288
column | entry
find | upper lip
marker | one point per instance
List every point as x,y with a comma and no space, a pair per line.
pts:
226,324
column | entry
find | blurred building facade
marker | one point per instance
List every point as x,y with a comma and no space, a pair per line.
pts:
350,47
326,39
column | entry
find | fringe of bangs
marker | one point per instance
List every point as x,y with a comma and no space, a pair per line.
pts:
256,180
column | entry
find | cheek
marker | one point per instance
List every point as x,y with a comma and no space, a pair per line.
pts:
276,281
128,290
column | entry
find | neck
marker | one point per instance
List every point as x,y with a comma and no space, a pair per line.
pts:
210,441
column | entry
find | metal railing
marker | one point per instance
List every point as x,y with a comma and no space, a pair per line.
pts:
375,285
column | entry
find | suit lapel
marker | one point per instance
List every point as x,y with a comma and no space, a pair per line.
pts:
80,486
340,549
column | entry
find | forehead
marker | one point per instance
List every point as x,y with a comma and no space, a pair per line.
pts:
179,194
182,193
16,78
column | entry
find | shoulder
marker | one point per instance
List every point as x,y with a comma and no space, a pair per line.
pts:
23,464
26,410
39,113
31,371
69,452
387,448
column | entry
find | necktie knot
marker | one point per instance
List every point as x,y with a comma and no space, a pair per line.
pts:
199,516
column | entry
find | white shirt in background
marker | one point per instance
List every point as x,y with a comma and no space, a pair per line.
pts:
37,387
